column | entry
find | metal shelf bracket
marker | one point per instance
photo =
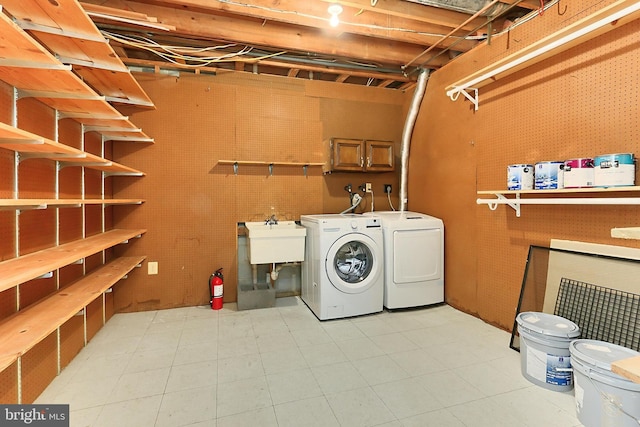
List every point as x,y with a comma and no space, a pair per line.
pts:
514,204
454,94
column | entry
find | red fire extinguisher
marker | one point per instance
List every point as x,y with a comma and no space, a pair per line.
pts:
216,288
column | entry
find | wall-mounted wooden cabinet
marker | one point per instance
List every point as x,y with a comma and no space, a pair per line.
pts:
357,155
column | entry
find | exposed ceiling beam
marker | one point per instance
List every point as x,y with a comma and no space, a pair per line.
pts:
254,32
375,22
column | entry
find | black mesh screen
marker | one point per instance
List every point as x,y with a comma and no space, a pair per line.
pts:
601,313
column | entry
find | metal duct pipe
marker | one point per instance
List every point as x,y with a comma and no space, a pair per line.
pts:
406,135
469,7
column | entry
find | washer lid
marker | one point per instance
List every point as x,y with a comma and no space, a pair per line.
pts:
548,324
600,354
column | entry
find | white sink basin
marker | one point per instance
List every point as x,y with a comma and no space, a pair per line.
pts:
275,243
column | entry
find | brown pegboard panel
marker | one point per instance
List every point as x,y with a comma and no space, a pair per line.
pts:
108,215
94,318
71,339
34,116
70,183
581,103
9,384
70,223
69,274
7,168
7,233
34,290
37,229
93,143
93,219
39,368
92,262
8,303
93,183
276,103
108,306
36,179
70,133
6,103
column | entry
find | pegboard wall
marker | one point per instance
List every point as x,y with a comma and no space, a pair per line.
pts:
583,102
193,204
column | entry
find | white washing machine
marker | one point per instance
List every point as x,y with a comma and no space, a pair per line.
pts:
414,259
342,272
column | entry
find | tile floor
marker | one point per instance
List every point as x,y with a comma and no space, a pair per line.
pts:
282,367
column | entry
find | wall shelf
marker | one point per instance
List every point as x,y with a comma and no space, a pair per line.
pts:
34,72
515,200
600,22
30,146
236,165
61,203
23,331
28,267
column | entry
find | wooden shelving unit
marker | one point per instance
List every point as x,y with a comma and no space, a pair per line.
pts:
52,52
28,327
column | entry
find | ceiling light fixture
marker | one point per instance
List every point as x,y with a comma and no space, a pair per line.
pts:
334,10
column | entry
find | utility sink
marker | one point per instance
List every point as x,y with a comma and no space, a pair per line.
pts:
275,243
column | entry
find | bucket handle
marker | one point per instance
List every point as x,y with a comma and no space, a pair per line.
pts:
604,396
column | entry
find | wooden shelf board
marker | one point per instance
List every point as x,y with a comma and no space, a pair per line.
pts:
632,233
261,163
16,45
35,72
19,140
119,85
22,331
18,203
628,368
28,267
94,59
564,190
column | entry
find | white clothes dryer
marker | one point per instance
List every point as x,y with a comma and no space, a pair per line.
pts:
414,259
342,271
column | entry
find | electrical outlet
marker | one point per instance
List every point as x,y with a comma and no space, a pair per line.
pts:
387,188
367,187
152,267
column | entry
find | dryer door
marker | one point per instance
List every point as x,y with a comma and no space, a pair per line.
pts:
353,263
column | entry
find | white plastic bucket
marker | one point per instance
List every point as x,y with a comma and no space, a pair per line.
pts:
544,349
603,398
578,173
614,170
520,177
549,175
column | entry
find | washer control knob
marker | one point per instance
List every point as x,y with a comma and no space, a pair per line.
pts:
354,225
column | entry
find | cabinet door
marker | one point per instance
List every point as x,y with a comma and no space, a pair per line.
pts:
380,156
347,154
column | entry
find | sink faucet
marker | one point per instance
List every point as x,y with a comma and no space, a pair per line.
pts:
272,220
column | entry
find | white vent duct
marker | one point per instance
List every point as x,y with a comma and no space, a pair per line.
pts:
465,6
406,135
